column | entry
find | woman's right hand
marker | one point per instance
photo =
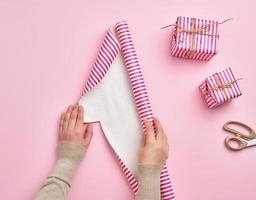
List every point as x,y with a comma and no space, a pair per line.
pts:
154,148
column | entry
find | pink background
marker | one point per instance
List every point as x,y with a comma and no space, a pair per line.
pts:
47,48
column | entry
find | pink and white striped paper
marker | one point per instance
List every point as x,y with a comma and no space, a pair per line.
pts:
213,92
205,43
110,47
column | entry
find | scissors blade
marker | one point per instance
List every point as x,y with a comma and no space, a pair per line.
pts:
251,143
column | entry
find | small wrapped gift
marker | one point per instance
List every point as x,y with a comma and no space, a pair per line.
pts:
195,38
220,88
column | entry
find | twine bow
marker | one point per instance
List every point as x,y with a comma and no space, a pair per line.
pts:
226,85
203,30
192,18
222,86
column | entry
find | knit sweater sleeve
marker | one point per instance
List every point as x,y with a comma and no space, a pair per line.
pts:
57,185
149,182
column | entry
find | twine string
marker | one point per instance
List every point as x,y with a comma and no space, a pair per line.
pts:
224,21
202,30
222,87
226,85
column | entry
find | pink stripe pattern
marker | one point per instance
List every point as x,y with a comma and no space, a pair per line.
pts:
220,88
140,95
195,38
108,51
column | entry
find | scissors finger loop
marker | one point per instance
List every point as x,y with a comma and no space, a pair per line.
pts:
241,143
251,135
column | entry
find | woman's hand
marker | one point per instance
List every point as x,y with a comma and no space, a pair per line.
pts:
72,127
154,146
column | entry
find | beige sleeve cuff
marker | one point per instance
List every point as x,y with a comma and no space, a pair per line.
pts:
70,156
149,182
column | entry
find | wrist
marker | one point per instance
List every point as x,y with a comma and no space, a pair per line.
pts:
71,151
149,181
149,170
70,155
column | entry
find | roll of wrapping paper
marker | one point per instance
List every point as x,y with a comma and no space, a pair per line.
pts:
108,52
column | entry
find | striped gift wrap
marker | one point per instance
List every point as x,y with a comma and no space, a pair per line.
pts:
220,88
121,42
195,38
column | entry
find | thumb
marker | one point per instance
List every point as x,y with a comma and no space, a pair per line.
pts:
88,135
142,140
150,134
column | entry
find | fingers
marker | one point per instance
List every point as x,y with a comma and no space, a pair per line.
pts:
159,129
80,119
73,117
66,118
88,135
150,135
61,124
80,127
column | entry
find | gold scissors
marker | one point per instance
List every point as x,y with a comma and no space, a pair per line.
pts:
243,140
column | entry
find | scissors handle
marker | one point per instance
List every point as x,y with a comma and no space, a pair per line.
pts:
252,134
241,143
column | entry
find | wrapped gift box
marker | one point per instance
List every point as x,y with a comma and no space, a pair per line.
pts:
220,88
195,38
